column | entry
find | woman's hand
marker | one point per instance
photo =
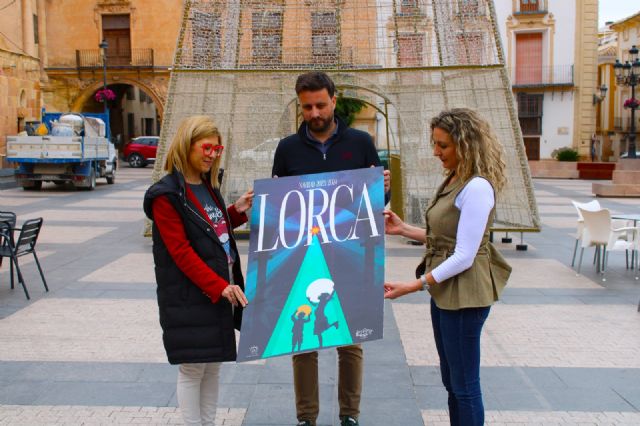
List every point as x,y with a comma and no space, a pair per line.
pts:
393,225
245,202
235,295
394,290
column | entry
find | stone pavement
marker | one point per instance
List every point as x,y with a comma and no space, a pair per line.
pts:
559,348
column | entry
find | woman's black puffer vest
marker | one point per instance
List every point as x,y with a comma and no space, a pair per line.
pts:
194,329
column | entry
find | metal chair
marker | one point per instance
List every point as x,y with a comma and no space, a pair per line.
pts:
10,218
25,244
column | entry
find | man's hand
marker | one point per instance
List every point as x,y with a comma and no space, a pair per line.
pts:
235,295
245,202
387,181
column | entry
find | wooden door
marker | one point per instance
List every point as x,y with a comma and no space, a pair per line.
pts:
119,51
116,31
532,147
529,58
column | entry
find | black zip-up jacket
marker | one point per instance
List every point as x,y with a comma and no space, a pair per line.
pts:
194,329
352,149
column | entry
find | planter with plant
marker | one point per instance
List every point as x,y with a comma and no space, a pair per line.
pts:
565,154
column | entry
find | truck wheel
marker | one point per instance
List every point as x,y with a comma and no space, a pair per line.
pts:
136,160
36,185
92,180
112,177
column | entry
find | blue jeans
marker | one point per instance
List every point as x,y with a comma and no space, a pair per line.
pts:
457,336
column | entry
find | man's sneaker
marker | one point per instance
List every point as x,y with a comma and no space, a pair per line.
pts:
304,423
348,421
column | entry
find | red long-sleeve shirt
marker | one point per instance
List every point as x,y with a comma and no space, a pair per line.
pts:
175,239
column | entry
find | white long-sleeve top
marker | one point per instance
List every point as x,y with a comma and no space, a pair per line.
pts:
475,202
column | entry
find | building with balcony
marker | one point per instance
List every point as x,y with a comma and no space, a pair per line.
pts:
613,120
141,37
550,51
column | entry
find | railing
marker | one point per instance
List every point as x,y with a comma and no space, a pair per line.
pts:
623,124
536,76
131,58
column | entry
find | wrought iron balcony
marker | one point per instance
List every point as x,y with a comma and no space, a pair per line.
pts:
541,76
122,58
623,124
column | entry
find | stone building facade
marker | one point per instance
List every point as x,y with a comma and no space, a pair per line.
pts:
21,73
50,58
141,37
551,50
614,121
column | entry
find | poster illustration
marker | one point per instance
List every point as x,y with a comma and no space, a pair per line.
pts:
316,263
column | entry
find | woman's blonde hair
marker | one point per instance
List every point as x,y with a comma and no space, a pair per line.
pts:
477,147
190,131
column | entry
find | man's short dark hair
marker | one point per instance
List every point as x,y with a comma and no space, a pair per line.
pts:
314,81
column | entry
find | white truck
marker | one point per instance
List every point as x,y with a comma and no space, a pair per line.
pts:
75,149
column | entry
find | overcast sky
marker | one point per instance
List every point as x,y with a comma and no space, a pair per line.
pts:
614,10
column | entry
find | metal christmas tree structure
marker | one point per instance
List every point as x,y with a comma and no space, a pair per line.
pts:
237,61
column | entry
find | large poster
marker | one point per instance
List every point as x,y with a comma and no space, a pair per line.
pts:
316,263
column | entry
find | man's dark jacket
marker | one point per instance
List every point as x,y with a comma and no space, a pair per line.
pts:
352,149
194,329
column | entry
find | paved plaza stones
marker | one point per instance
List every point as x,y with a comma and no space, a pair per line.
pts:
558,349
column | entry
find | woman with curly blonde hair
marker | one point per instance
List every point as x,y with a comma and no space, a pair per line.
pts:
461,269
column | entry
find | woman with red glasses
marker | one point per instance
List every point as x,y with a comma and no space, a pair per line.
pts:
200,284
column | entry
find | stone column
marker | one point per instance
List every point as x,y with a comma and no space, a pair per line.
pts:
585,74
42,38
28,43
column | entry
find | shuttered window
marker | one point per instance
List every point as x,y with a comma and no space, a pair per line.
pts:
528,58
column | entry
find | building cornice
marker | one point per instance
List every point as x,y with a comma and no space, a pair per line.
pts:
631,21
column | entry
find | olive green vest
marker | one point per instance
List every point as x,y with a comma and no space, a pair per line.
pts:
482,283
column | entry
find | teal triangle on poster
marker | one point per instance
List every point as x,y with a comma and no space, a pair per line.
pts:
313,279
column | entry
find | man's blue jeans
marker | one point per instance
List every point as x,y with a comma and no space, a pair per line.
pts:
457,335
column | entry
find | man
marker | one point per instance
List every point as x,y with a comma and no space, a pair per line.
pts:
324,143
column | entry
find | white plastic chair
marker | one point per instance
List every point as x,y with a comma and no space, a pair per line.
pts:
591,206
598,232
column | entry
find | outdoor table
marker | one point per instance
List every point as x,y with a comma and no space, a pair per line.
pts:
634,217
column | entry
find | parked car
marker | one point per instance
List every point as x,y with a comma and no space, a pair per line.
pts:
141,151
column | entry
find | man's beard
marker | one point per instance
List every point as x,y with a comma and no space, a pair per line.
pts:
320,125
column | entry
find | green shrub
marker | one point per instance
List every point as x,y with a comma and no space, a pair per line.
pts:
347,108
565,154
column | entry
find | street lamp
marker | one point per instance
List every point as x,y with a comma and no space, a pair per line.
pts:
627,74
603,92
103,51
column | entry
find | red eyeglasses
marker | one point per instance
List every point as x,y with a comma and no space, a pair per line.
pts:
208,148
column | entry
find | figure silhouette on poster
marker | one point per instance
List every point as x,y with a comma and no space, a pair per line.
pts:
321,323
300,317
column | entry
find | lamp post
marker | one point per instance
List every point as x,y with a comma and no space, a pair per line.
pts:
627,74
103,50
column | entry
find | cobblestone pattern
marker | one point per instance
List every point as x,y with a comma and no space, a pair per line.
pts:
81,415
587,336
97,330
541,418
